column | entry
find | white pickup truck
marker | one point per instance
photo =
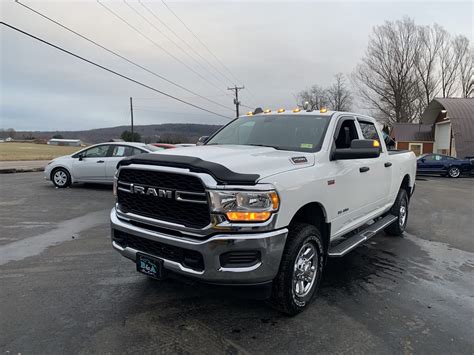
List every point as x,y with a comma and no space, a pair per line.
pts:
263,202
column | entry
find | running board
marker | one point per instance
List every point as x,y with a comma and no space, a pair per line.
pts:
354,241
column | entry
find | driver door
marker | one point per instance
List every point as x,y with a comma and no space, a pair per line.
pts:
90,166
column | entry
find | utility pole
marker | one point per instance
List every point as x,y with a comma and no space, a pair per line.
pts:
236,99
131,117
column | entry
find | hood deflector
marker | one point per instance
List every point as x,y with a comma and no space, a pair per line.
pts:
219,172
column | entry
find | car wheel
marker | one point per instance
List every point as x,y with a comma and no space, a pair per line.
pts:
454,172
300,270
61,178
400,210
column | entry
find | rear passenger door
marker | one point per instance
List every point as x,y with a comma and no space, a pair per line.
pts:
117,153
379,175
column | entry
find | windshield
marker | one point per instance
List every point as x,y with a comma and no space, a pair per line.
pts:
302,133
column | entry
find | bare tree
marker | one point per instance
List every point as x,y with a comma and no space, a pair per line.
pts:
316,97
464,54
387,78
449,63
431,39
11,133
338,95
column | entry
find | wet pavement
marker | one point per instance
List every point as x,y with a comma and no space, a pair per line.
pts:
64,290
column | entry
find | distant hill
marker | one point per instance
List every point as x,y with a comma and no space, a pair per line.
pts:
169,133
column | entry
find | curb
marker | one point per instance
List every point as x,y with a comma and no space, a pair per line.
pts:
20,170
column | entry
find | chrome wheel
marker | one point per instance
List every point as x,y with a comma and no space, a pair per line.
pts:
454,172
305,270
60,178
402,216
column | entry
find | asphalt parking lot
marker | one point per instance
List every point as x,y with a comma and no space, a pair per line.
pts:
64,290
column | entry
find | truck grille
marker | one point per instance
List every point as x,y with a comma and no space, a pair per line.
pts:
186,257
193,213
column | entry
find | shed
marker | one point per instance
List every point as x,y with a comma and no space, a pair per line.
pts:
453,125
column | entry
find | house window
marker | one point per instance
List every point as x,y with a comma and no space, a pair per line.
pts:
416,148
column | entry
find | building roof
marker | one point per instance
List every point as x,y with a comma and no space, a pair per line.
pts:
64,140
412,132
460,111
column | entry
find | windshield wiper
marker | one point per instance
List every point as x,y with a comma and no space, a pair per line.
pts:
264,145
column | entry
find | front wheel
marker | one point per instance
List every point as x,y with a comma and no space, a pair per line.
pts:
400,210
454,172
61,178
300,270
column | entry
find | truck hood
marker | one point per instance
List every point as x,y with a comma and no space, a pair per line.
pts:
264,161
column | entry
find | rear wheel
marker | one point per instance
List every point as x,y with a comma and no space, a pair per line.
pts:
61,178
300,270
400,210
454,172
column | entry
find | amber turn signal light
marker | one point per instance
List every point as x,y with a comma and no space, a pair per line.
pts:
248,216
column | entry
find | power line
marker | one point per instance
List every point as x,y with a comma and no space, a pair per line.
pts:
122,57
200,41
170,39
158,45
111,71
153,13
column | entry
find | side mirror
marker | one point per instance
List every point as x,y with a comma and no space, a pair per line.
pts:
80,157
202,140
422,160
360,149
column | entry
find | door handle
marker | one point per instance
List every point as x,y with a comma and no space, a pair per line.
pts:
100,161
364,169
388,164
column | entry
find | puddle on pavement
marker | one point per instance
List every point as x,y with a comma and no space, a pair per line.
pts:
66,230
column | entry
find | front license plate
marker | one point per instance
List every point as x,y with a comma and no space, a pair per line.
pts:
150,266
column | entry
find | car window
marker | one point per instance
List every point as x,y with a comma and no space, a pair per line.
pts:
119,151
96,152
429,157
347,133
369,131
135,151
438,157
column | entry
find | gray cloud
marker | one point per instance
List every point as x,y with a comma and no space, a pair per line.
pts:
274,48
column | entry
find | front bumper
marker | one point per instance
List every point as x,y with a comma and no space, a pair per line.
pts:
269,244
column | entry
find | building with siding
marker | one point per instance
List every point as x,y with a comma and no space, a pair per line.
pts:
413,136
70,142
452,120
446,127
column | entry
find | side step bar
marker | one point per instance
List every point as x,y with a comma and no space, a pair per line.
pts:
354,241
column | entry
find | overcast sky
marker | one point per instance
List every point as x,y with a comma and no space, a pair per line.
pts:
273,48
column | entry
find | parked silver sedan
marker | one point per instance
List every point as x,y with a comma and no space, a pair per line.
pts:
94,164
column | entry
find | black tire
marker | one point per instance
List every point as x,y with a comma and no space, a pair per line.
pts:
61,178
284,297
400,210
454,172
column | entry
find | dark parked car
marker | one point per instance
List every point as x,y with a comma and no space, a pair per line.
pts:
442,165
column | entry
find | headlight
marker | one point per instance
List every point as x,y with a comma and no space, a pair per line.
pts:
245,206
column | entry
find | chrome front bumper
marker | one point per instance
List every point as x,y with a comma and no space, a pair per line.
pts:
270,245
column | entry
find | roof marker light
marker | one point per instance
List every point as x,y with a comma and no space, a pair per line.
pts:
267,110
250,113
280,110
323,110
296,110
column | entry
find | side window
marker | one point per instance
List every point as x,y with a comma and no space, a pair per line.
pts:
97,152
135,151
438,157
347,133
119,151
369,131
429,157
